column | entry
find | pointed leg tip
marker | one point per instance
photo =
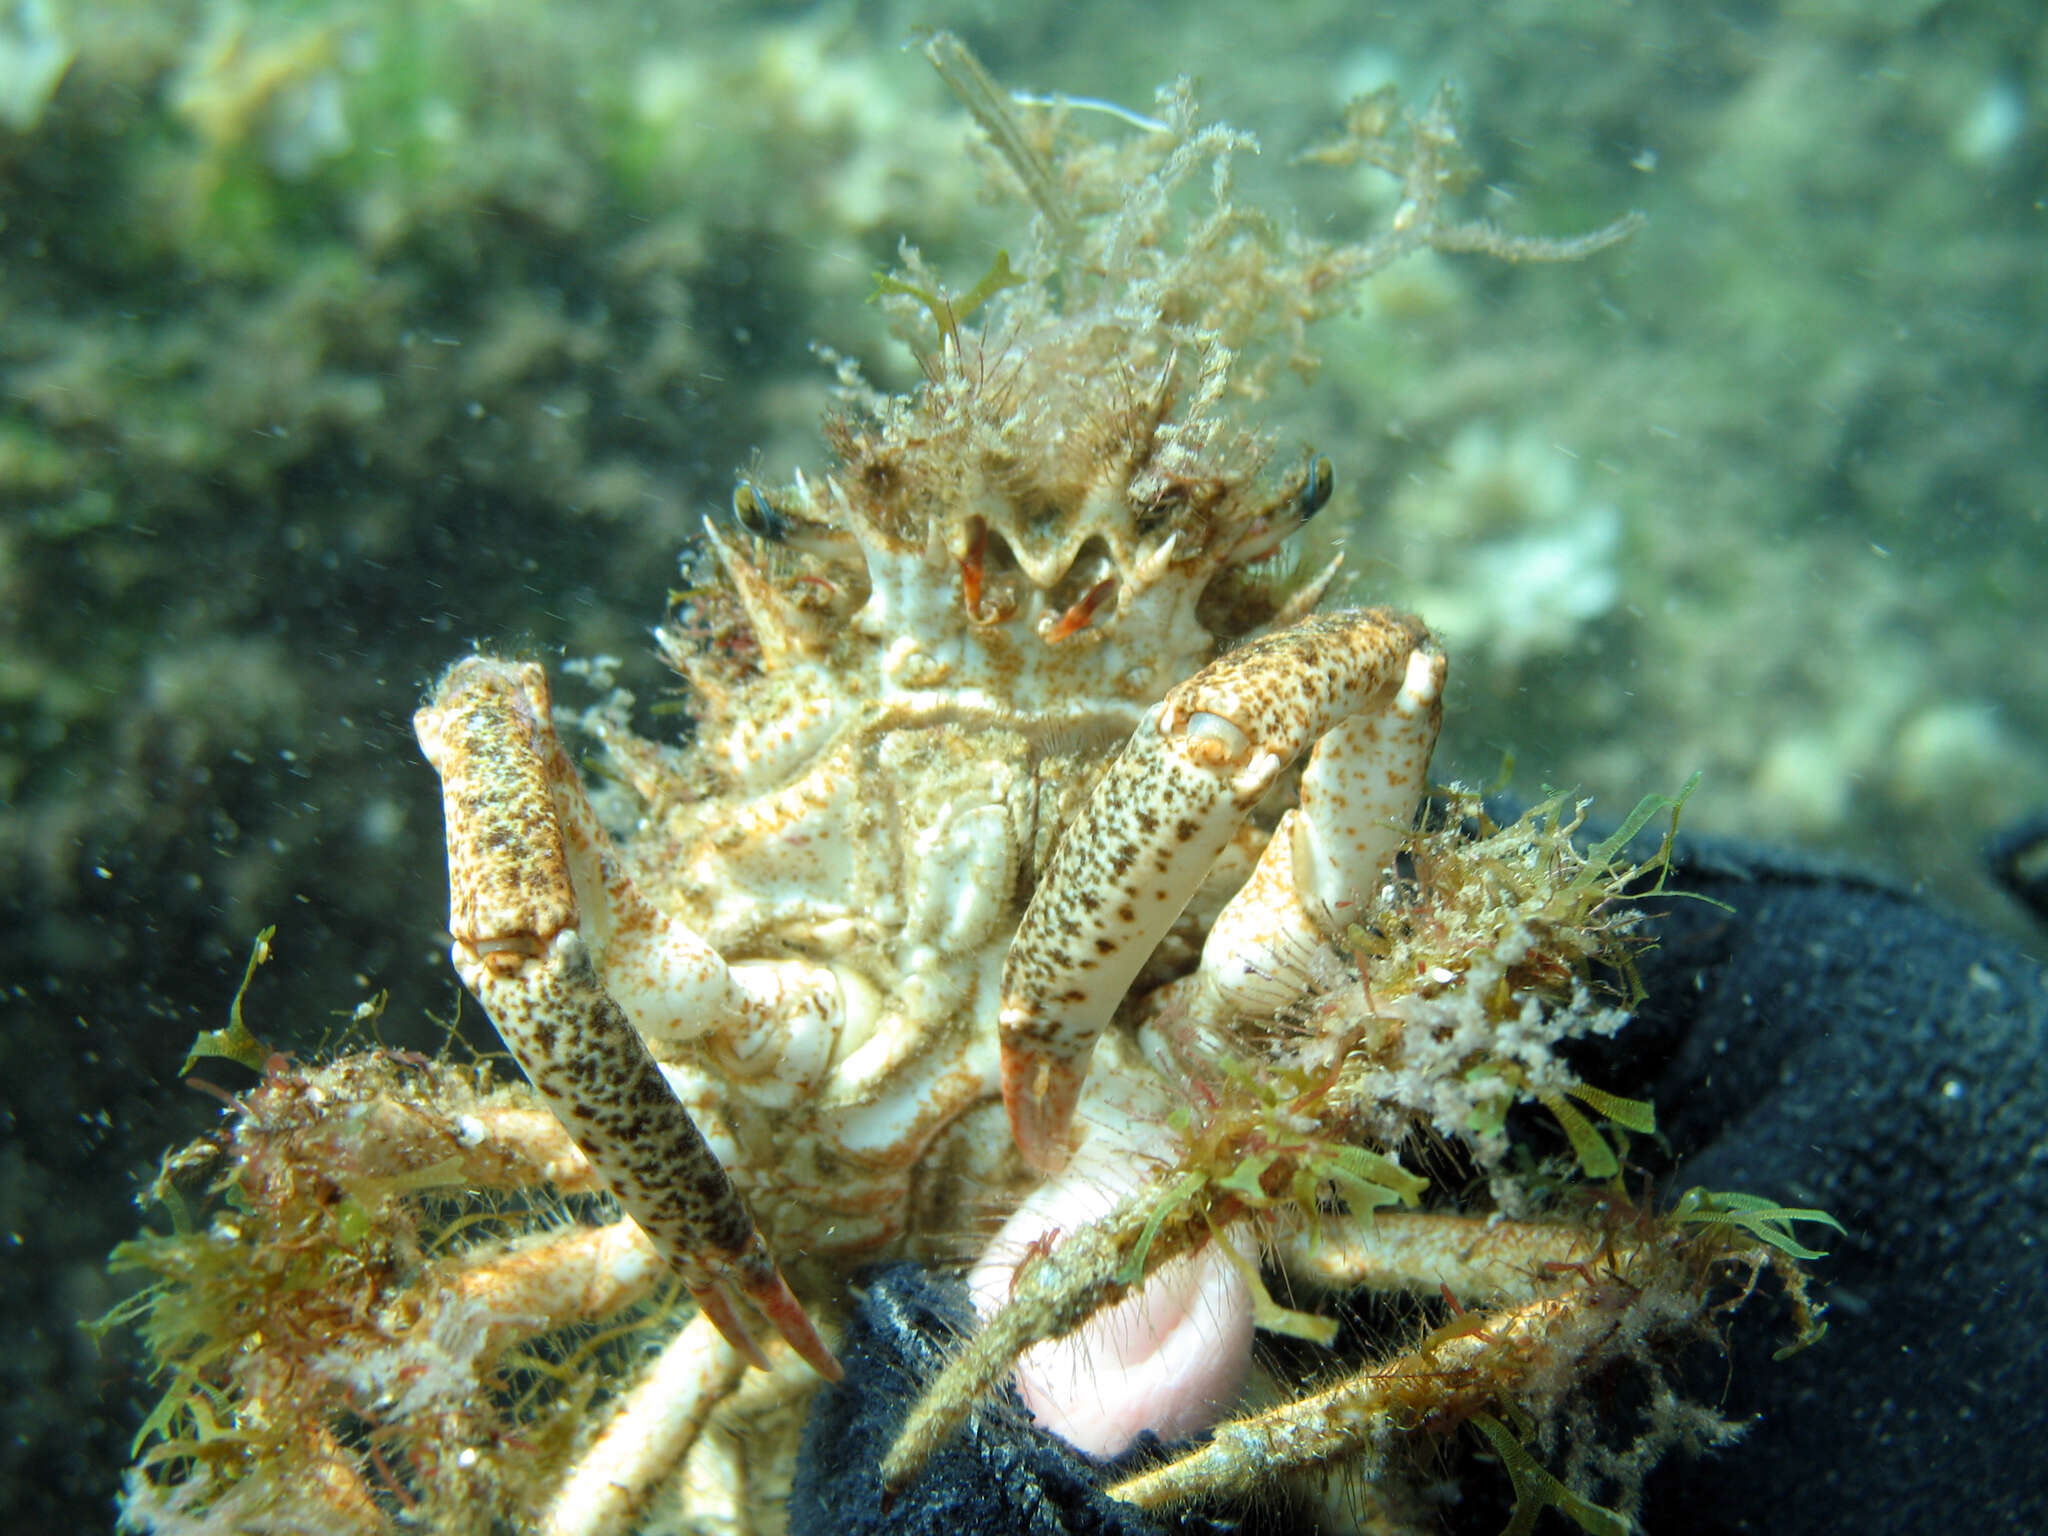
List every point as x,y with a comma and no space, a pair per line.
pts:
716,1303
827,1365
765,1288
797,1332
1039,1092
1042,1148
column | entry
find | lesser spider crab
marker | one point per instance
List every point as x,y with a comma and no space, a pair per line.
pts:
987,859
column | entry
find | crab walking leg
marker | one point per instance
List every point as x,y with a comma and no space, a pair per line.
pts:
518,947
652,1429
1197,764
1477,1259
1488,1358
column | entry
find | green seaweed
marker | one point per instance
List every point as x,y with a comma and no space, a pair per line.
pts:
947,312
1537,1489
1638,1115
1765,1220
235,1042
1596,1157
1601,857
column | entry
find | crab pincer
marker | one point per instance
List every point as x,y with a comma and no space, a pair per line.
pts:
1166,808
519,948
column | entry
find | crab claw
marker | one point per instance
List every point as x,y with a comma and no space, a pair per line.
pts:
515,817
1197,764
1325,859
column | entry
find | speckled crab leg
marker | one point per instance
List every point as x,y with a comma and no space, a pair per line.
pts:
1328,857
1197,764
519,948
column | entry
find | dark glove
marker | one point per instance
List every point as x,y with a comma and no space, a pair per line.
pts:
1832,1042
1000,1475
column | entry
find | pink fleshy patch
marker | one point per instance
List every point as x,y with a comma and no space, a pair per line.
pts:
1170,1358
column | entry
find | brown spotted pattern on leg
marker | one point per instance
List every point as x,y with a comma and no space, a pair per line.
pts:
1197,764
513,915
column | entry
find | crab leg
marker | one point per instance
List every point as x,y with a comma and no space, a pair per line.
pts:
1197,764
519,947
1326,858
651,1430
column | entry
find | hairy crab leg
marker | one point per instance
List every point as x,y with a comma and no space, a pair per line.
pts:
1483,1361
519,947
1476,1259
1197,764
1560,1301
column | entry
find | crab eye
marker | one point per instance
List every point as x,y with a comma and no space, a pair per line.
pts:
1315,490
1215,741
753,511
